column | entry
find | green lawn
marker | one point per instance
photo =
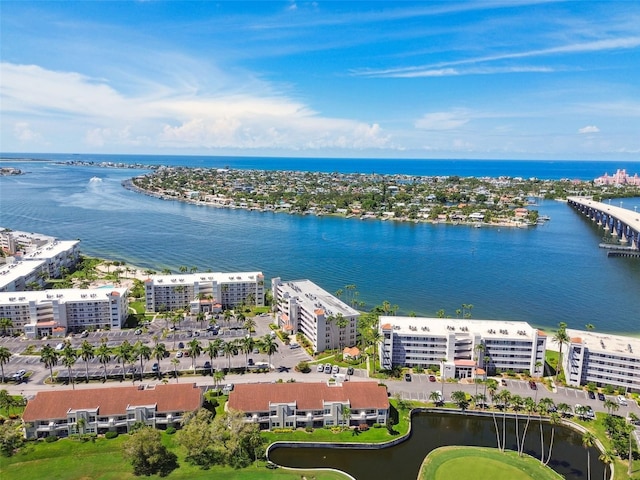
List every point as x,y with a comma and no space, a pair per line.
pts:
70,459
482,464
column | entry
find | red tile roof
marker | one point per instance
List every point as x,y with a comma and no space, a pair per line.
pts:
308,396
112,401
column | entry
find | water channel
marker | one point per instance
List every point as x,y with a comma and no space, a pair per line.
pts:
433,430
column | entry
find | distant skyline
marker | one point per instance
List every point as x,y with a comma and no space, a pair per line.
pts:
497,80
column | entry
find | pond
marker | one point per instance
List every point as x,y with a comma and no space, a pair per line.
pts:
432,430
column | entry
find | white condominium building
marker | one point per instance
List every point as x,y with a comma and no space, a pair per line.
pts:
59,312
204,292
603,359
301,306
37,264
464,347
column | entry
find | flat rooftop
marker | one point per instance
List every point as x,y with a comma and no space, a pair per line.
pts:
12,271
314,297
606,342
62,294
445,326
51,250
218,277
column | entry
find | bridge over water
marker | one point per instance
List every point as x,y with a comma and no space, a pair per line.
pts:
618,221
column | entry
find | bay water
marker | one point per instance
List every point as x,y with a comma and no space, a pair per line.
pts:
544,275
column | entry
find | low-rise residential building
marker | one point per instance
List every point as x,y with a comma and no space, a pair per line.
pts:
66,412
58,312
204,292
603,359
303,307
461,348
292,405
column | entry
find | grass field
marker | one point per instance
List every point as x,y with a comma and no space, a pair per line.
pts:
102,460
482,464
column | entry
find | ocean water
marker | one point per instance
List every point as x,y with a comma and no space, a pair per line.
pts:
543,275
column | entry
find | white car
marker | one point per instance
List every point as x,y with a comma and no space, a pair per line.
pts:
320,368
621,400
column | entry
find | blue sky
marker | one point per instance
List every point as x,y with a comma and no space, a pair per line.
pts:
455,79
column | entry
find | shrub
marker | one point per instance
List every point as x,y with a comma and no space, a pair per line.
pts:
50,438
363,427
377,425
308,429
110,435
303,367
171,430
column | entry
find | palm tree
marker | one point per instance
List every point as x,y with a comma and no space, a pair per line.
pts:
375,339
49,356
563,408
218,377
269,346
479,398
123,354
530,407
159,352
554,419
341,323
195,350
229,349
87,352
200,317
103,353
516,403
5,357
442,360
460,398
69,357
143,353
250,325
247,344
346,414
504,396
5,323
175,362
560,337
607,458
479,348
435,397
611,406
588,439
213,350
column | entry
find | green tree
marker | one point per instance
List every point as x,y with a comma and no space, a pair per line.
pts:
247,344
606,457
5,357
49,356
159,352
588,440
229,349
175,362
250,325
87,352
269,346
561,338
11,437
124,354
213,350
103,353
460,398
146,453
6,324
143,353
195,350
69,358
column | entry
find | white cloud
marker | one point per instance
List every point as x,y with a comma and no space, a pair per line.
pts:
442,120
169,116
23,132
589,129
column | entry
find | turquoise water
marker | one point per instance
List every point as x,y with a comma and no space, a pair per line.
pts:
543,275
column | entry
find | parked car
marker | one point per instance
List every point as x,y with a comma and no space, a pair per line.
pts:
601,396
320,368
350,371
294,346
179,354
592,395
250,362
335,369
155,367
407,377
228,388
327,368
621,400
180,345
84,334
432,378
207,365
588,413
503,382
138,332
532,385
19,374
